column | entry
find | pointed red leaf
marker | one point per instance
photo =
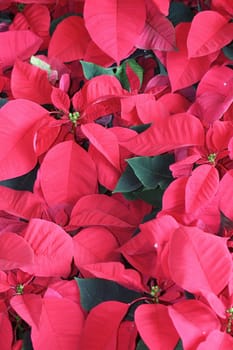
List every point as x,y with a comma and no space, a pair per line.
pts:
158,32
53,249
108,175
209,32
218,340
60,325
67,173
127,334
201,187
223,6
97,90
4,284
95,55
101,326
69,40
193,321
35,17
60,99
14,251
160,231
28,307
117,33
6,332
30,82
206,255
115,271
219,135
155,327
139,251
163,6
104,141
93,245
18,156
20,44
102,210
182,70
22,204
166,134
225,194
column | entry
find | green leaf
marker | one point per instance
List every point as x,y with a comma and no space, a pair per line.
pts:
228,51
3,101
91,70
140,128
179,345
122,76
151,196
179,12
27,343
152,171
128,182
23,182
189,295
138,70
94,291
37,62
141,345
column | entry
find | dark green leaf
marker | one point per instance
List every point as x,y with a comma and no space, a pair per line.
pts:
189,295
153,197
162,70
179,12
22,183
138,70
141,345
228,51
121,72
27,343
140,128
179,346
94,291
153,171
3,101
128,182
91,70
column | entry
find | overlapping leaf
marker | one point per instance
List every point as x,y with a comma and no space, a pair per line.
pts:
201,187
30,82
117,33
107,316
14,252
20,44
18,156
69,40
206,255
158,32
60,325
209,32
67,173
155,326
93,245
166,134
52,247
194,321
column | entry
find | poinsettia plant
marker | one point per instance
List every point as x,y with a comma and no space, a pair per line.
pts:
116,176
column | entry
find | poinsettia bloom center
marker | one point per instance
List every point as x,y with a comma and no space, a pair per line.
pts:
155,292
74,117
19,289
230,320
212,158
